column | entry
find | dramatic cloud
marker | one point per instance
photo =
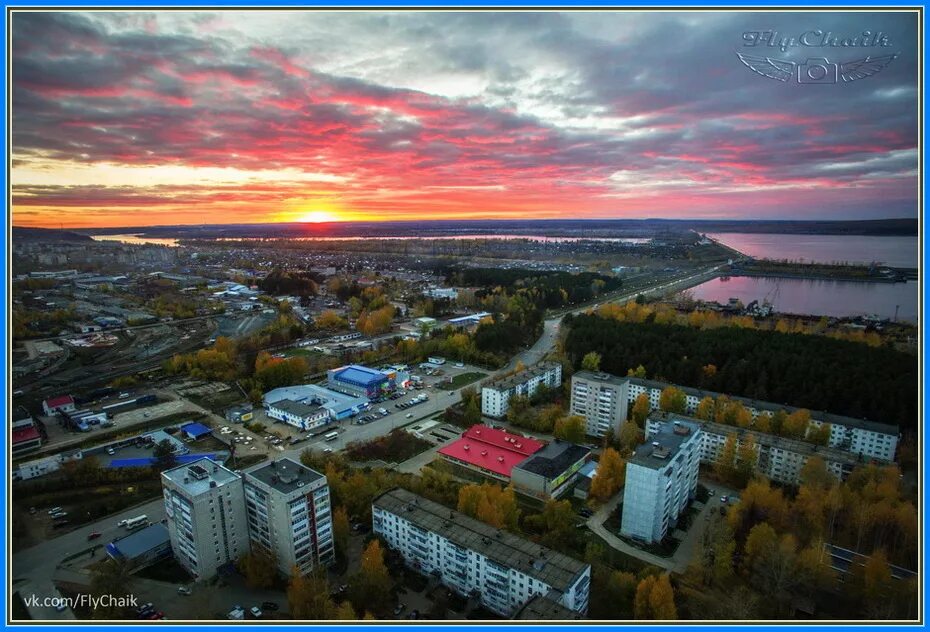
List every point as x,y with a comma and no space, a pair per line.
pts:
138,118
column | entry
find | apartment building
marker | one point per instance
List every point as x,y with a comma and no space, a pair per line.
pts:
661,479
604,400
289,515
495,395
472,558
205,506
778,458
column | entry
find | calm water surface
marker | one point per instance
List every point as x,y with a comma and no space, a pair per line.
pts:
898,252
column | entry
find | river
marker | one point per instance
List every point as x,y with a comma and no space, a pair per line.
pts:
898,252
814,296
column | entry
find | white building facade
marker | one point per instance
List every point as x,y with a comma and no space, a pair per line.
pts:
289,515
495,396
472,558
205,508
604,400
661,480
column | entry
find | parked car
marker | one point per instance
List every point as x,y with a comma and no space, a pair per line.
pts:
184,590
400,608
269,605
414,614
54,510
409,415
94,535
256,612
723,499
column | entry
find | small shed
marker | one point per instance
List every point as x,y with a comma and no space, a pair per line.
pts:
194,431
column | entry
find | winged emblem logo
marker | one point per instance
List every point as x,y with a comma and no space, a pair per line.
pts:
816,70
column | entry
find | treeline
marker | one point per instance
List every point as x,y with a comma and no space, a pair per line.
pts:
547,289
812,372
292,282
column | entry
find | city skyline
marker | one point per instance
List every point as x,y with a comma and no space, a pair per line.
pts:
136,119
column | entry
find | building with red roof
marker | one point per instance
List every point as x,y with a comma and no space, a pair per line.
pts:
489,451
62,403
26,439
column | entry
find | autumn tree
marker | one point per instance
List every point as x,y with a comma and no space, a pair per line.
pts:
591,361
746,458
726,459
641,409
655,599
609,476
673,400
370,588
639,371
795,426
630,436
571,429
259,568
819,435
490,503
341,529
472,412
705,409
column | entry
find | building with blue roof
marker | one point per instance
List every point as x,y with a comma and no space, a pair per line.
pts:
360,381
195,430
143,547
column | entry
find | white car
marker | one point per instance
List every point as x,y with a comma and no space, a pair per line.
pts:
256,612
409,415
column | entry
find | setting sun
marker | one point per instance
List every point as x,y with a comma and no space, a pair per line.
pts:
317,217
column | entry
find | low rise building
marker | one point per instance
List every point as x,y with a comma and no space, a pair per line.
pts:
59,404
360,381
551,471
289,515
604,400
298,414
490,452
495,395
205,507
661,479
141,548
501,570
338,405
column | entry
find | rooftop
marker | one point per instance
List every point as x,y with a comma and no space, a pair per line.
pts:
314,394
661,447
554,459
198,477
491,449
284,475
554,569
61,400
140,542
525,375
358,374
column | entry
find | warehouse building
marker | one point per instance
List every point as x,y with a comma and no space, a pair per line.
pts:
501,570
360,381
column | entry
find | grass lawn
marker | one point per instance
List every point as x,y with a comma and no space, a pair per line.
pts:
466,378
301,353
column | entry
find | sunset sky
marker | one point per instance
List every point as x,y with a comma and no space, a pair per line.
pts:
136,119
